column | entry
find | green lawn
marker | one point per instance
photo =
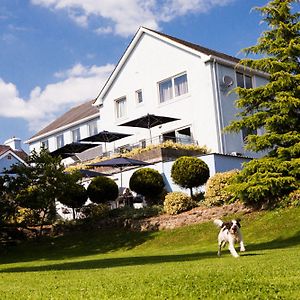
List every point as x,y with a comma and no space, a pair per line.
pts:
176,264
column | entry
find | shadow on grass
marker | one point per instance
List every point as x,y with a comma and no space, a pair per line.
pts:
146,260
113,262
75,245
278,243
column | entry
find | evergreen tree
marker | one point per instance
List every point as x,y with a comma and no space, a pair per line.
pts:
275,107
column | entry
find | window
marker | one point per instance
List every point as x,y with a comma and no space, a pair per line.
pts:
173,87
243,81
139,96
180,85
9,157
45,144
76,135
93,128
121,107
60,141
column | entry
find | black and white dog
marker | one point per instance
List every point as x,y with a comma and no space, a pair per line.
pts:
230,233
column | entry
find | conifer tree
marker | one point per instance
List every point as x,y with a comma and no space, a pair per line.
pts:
274,107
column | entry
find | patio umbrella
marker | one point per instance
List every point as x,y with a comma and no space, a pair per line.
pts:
70,149
90,173
121,163
105,137
148,121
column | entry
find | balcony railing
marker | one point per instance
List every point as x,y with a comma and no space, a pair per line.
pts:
153,141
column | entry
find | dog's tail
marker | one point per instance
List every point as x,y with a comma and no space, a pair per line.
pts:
218,223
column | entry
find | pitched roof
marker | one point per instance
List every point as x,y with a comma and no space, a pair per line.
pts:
76,113
197,47
20,153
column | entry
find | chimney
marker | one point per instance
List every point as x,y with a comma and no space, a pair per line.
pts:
14,143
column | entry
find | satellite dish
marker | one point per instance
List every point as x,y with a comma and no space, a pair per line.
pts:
227,81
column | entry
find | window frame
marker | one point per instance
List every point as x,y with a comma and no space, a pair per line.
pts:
173,93
118,112
245,82
139,100
45,144
93,128
73,134
57,141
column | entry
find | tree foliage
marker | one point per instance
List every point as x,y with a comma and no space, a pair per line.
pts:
102,190
74,195
38,185
274,107
189,172
147,182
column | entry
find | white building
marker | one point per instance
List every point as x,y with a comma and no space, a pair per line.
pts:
165,76
11,154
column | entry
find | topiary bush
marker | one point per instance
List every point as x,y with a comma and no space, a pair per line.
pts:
149,183
216,193
189,172
178,202
102,190
74,197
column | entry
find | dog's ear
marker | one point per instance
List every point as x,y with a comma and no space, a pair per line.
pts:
238,222
227,225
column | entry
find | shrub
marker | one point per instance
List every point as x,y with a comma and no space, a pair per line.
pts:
102,190
294,198
95,211
132,213
178,202
216,189
265,181
147,182
189,172
74,197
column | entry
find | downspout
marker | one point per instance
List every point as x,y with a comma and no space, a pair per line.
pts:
218,114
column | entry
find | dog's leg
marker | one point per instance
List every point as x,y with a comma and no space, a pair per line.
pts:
219,250
232,249
221,245
242,246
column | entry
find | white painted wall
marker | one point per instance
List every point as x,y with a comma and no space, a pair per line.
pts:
151,62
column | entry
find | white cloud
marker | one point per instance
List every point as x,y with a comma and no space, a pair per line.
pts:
128,15
78,84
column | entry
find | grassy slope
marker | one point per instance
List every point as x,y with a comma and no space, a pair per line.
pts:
176,264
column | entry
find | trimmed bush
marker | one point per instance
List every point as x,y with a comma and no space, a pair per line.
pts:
102,190
149,183
189,172
74,197
178,202
216,193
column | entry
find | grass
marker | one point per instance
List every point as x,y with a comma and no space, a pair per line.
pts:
175,264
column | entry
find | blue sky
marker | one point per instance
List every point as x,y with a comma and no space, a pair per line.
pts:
55,54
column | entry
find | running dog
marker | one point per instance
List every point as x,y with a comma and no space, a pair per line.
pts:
230,233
